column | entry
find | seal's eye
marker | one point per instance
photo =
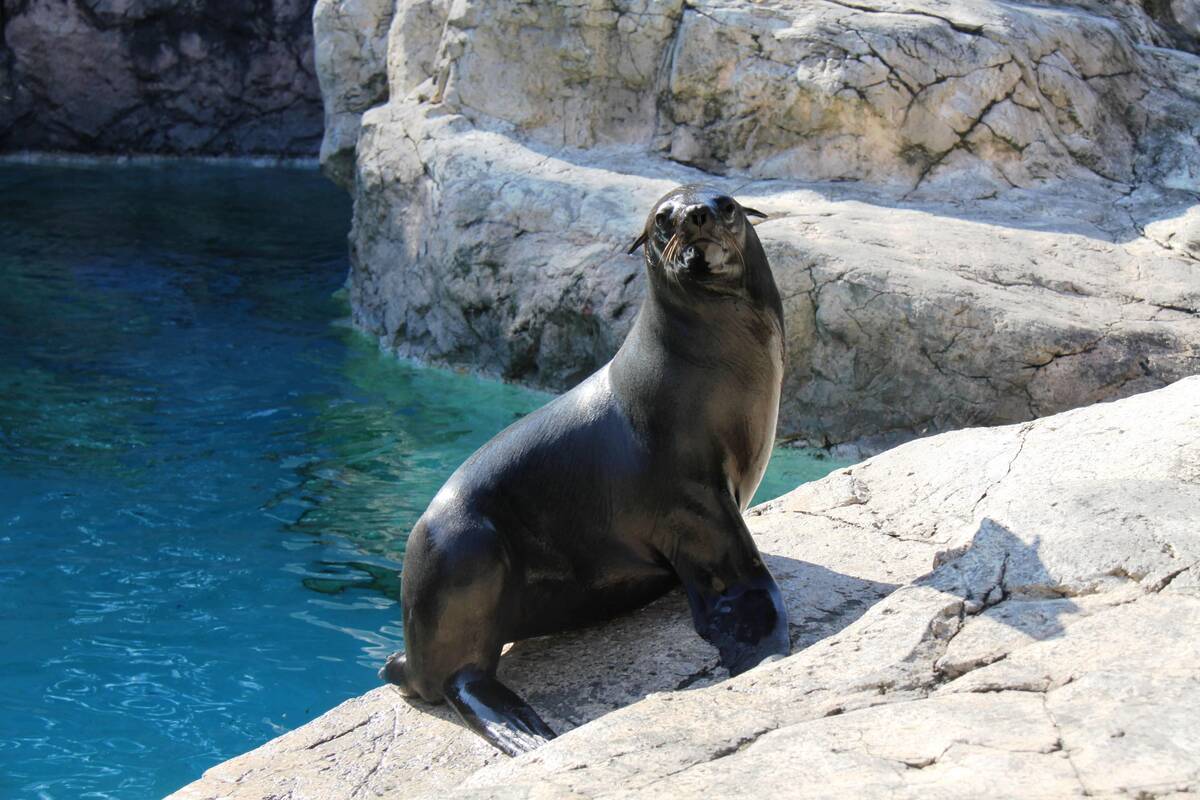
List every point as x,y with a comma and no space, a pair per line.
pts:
663,219
728,209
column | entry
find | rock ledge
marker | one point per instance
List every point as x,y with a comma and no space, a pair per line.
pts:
982,211
997,612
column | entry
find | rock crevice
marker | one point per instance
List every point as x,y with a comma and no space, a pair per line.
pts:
152,77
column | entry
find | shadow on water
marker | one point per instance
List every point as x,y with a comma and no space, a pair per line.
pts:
379,448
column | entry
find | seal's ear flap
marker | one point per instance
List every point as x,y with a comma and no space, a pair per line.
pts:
638,242
753,212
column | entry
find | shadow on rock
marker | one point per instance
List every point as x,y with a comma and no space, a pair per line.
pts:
575,677
1086,209
1001,577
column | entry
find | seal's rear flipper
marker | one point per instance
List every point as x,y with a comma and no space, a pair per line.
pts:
395,672
492,710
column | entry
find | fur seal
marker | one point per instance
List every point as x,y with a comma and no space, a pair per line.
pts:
630,484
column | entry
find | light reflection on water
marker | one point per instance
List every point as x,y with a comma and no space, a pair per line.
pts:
205,484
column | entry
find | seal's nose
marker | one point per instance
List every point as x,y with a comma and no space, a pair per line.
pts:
699,215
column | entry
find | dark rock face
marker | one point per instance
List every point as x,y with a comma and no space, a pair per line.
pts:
1179,19
189,77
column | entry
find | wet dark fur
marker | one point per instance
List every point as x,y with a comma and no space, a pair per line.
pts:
626,486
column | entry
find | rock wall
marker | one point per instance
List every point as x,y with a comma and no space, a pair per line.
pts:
351,63
1002,613
981,212
190,77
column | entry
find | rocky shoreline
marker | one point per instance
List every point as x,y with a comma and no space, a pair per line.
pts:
999,612
980,213
984,218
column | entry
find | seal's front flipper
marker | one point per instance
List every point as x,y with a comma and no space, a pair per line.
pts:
494,711
736,605
747,623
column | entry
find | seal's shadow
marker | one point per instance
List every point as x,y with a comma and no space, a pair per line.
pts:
575,677
1002,576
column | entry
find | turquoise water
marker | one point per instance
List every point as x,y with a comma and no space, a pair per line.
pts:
205,480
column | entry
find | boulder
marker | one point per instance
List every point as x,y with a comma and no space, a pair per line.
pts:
981,212
351,38
999,612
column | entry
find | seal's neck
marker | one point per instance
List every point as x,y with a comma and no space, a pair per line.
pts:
712,333
692,350
715,368
711,328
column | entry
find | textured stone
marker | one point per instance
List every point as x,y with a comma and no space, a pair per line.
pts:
1000,612
981,212
472,248
351,39
886,91
159,76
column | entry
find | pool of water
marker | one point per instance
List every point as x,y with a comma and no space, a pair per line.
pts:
206,478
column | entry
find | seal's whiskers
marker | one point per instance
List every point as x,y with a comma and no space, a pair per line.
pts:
731,243
669,254
672,248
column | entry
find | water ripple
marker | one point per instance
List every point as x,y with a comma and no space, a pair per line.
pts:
205,484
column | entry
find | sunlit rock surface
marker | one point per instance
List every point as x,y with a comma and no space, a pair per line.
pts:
351,61
982,211
997,612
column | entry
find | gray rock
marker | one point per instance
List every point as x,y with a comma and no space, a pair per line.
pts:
159,76
886,91
471,248
998,612
981,212
351,38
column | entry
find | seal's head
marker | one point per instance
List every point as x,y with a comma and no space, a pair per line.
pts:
698,237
